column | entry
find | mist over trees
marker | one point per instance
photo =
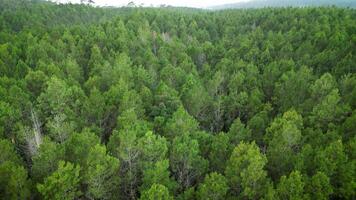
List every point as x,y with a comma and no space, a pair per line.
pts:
287,3
174,103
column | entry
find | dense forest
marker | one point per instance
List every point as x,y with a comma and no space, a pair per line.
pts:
175,103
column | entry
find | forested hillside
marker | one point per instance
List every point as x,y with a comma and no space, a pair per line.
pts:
172,103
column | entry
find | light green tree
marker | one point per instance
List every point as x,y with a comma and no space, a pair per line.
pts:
291,187
186,161
156,192
219,151
61,184
8,152
319,187
102,175
45,161
152,148
158,174
214,187
283,139
245,171
239,132
181,123
77,147
13,181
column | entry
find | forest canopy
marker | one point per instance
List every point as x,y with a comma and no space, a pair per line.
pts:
176,103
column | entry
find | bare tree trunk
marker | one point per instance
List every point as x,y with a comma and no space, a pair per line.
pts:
36,128
34,137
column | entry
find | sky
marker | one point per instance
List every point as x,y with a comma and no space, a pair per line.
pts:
185,3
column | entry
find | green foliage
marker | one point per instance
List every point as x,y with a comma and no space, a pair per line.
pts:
328,110
45,162
219,151
166,101
348,90
292,89
283,139
214,187
8,116
35,82
195,98
8,152
186,162
153,148
158,174
61,184
102,174
13,182
245,171
156,192
181,123
291,187
238,132
319,187
94,109
77,147
163,103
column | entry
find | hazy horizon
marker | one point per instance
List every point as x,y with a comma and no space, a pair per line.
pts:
179,3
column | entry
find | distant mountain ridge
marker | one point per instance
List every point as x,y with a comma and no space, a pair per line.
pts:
287,3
